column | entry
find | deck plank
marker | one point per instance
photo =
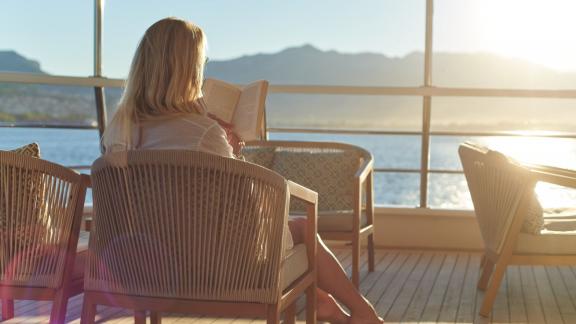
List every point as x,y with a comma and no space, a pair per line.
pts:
467,302
436,297
531,299
516,301
450,305
404,298
418,303
385,302
561,295
407,286
549,305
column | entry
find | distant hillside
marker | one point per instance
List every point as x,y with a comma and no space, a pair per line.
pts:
307,65
14,62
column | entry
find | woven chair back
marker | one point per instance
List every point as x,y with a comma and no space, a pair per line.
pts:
497,186
39,203
186,225
327,168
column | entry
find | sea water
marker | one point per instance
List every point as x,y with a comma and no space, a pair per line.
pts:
73,147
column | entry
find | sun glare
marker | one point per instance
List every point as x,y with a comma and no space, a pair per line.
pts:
540,31
546,151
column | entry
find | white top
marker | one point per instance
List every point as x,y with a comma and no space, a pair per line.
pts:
192,131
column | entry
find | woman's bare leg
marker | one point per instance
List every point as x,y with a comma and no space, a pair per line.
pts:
329,310
332,279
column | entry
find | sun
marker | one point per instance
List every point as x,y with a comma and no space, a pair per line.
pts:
540,31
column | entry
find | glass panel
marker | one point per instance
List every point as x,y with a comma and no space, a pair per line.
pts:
504,44
367,42
344,112
67,147
448,191
113,95
81,146
402,152
397,189
553,196
47,105
54,37
558,152
469,114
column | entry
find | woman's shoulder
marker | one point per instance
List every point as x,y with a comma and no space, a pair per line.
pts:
198,119
188,120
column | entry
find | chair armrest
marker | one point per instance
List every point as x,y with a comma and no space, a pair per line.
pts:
311,199
364,170
303,193
551,169
557,176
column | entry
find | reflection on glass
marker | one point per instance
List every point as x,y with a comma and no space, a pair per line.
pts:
63,146
54,37
397,189
502,114
504,44
399,152
344,112
113,96
448,191
47,104
375,46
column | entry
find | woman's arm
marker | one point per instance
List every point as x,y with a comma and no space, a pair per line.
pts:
215,141
233,139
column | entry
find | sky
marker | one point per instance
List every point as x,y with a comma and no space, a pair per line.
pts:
59,33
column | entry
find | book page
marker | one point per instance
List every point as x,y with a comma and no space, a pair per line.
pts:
221,98
249,113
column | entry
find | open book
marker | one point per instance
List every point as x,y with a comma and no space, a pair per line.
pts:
241,106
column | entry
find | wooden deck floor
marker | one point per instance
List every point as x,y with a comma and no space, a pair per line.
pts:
411,286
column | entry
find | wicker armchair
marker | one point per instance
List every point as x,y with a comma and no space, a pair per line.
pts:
40,214
183,231
513,225
342,174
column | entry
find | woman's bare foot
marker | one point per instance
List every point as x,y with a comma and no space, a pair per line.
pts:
329,310
365,315
361,320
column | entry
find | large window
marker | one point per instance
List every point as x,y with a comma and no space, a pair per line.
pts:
54,37
48,105
367,42
354,73
505,44
502,114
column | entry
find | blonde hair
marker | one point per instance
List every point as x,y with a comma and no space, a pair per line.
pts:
165,78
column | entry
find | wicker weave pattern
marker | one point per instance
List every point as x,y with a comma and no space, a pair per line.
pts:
327,168
38,200
186,225
496,186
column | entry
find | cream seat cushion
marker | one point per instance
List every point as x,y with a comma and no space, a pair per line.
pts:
558,234
335,221
294,265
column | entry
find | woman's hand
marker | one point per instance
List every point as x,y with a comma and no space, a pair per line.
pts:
236,142
233,139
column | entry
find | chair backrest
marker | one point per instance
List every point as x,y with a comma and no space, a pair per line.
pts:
183,224
327,168
40,215
497,186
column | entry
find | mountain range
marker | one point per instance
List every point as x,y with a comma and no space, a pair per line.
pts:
308,65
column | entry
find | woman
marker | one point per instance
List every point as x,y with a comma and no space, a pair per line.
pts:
161,108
